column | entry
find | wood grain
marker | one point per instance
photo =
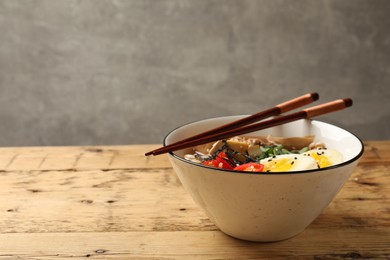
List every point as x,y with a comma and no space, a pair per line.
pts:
311,244
80,158
113,202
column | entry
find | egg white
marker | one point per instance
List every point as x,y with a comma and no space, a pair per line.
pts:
288,162
325,157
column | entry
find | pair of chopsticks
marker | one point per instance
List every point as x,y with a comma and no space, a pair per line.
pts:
246,124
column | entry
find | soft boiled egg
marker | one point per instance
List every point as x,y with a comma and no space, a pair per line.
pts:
289,162
325,157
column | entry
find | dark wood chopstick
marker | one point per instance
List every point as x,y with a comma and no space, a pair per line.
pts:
274,111
306,113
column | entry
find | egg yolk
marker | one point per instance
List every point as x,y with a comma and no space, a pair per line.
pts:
322,160
279,165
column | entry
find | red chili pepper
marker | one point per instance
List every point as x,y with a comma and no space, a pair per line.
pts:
211,163
223,155
221,161
250,167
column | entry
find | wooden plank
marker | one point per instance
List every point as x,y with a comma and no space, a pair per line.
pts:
63,158
151,200
329,244
121,157
114,200
6,159
376,152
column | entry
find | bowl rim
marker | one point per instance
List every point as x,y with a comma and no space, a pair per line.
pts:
266,173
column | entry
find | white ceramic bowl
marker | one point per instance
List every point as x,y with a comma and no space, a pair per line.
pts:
266,206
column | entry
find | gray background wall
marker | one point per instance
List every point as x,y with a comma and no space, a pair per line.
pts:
121,72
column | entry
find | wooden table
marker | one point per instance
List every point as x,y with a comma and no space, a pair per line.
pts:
112,202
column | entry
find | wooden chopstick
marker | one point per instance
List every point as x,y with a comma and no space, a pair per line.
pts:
306,113
274,111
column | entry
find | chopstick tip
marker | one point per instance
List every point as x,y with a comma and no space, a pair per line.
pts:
348,102
149,153
314,96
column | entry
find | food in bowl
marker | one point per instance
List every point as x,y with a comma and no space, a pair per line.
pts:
266,206
265,154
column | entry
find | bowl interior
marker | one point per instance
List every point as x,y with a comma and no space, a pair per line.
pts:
332,136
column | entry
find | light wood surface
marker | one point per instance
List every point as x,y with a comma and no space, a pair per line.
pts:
113,202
